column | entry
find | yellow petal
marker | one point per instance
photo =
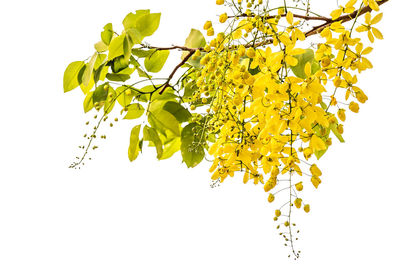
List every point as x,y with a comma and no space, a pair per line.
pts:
317,143
297,51
315,181
315,170
361,28
373,5
289,17
351,3
370,37
354,107
292,61
377,33
368,18
307,69
366,51
237,34
336,13
377,18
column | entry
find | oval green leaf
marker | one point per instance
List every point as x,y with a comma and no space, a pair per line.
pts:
134,111
156,61
133,150
70,80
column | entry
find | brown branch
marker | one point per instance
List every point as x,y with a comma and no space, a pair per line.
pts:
184,48
319,28
284,15
186,58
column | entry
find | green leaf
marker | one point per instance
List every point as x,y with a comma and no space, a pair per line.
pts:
99,72
117,77
134,111
168,94
322,132
333,127
171,147
308,56
127,71
85,89
150,134
190,88
88,102
320,153
70,80
162,120
138,67
195,39
179,112
142,53
100,60
148,23
156,61
119,63
116,47
191,149
131,19
87,75
133,150
107,34
127,46
323,105
315,66
141,145
110,101
100,93
125,95
134,36
100,47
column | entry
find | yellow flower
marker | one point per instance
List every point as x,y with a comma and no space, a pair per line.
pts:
317,143
271,198
341,114
269,184
315,181
223,18
210,31
307,152
372,4
299,186
297,202
251,52
372,31
348,8
296,33
340,128
315,170
277,213
354,107
207,25
290,52
307,208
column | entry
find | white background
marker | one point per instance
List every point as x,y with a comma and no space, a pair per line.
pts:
149,213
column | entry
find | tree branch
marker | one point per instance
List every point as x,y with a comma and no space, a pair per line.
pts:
319,28
184,48
186,58
284,15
